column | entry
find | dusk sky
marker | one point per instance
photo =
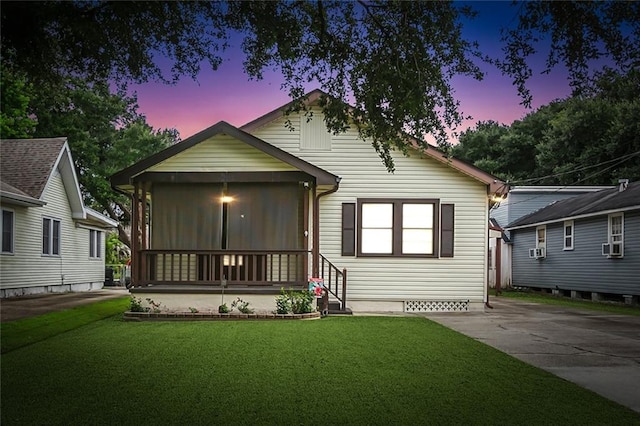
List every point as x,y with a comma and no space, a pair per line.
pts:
228,94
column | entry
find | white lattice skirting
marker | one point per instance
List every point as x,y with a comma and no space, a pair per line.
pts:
436,305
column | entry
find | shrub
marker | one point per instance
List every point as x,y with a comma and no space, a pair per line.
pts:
242,306
302,302
136,305
283,303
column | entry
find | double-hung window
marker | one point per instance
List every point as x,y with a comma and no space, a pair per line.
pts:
50,237
569,231
7,231
401,227
95,244
541,241
616,234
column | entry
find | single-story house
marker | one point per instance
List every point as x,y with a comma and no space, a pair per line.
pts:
520,201
587,245
51,242
281,200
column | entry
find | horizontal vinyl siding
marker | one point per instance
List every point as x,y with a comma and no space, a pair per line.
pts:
364,176
221,153
27,267
584,268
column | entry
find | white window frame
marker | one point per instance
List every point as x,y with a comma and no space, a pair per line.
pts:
569,224
12,243
95,244
51,248
617,237
541,244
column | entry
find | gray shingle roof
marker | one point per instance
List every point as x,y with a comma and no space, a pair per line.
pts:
26,164
585,204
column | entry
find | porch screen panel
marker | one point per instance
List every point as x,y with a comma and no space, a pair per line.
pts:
186,216
265,216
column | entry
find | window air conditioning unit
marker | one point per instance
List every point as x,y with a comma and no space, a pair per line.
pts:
612,249
536,253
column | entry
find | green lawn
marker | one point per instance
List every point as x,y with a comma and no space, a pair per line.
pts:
337,370
530,296
16,334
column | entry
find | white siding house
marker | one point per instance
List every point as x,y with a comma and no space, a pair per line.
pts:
412,240
51,242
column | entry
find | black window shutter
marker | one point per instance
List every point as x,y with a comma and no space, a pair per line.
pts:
446,230
348,229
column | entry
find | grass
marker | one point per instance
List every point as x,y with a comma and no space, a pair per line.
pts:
16,334
530,296
338,370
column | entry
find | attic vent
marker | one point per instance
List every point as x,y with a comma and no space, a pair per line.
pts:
436,305
314,135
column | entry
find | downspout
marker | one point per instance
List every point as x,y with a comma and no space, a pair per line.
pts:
316,227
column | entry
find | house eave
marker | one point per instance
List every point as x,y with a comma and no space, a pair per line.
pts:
20,200
575,217
495,185
126,176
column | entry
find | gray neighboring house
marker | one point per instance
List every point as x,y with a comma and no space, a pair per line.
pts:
521,201
588,245
51,242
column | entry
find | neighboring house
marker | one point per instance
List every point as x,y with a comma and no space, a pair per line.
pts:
51,242
585,245
264,207
521,200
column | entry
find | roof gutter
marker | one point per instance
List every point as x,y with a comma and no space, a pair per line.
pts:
315,251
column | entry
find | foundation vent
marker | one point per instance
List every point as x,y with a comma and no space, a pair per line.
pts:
436,305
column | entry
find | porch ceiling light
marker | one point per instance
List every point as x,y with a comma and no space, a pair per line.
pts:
226,199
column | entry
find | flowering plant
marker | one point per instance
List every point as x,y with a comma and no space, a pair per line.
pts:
242,306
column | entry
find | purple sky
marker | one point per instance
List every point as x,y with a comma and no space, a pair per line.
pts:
227,94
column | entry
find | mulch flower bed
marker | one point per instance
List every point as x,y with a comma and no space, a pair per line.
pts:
213,316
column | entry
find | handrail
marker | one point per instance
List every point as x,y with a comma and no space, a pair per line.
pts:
232,267
335,280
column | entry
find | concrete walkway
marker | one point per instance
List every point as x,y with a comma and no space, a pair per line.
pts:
28,306
596,350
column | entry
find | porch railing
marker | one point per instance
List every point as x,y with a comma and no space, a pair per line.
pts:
335,280
234,267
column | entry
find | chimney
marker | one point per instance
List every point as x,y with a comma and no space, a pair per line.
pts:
623,184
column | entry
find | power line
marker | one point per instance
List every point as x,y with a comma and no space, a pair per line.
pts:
622,160
537,179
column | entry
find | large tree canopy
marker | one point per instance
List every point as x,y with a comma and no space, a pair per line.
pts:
591,140
392,60
105,134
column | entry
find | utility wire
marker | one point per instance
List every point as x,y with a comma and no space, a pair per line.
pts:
623,157
622,160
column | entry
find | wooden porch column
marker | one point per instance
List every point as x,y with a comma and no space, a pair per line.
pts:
135,242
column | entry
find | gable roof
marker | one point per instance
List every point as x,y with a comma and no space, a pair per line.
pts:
27,164
125,176
495,185
26,168
584,205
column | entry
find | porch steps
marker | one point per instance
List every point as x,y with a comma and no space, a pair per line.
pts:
336,309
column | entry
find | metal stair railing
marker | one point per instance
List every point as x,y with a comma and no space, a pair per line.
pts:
335,280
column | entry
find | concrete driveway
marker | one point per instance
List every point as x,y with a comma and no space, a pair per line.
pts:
15,308
597,350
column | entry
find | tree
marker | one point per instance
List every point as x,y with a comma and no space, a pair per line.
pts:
581,34
105,134
591,140
15,94
394,61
